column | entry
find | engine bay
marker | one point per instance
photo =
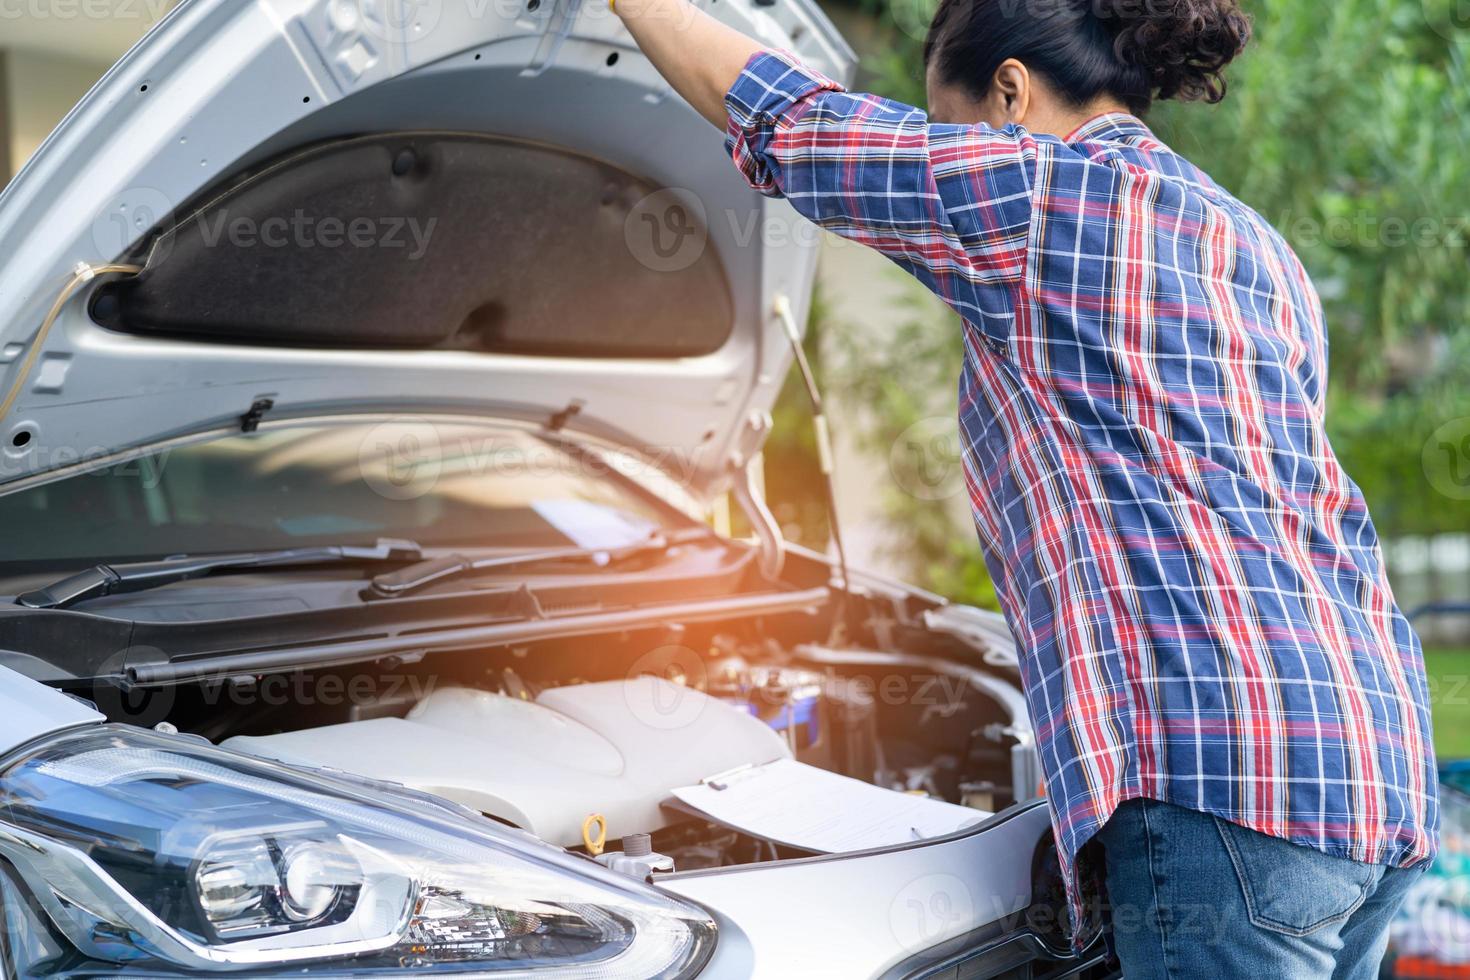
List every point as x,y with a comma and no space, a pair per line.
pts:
613,749
549,736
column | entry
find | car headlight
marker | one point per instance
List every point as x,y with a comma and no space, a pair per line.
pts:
168,855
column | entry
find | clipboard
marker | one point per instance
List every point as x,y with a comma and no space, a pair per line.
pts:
800,806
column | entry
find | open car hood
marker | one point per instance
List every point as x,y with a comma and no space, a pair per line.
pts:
368,206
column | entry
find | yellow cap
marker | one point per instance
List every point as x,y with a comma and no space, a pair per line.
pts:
594,842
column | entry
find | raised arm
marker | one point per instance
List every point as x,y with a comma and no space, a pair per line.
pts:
699,56
952,204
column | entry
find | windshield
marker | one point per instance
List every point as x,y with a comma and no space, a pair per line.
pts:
459,485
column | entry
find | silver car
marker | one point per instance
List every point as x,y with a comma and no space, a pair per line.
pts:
370,369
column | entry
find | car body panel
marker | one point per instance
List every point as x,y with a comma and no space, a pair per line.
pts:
876,909
220,86
30,710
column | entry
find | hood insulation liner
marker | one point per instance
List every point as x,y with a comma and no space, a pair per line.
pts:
426,241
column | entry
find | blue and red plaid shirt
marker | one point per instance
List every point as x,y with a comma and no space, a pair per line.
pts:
1196,587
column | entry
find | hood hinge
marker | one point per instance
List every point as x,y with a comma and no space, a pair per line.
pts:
250,421
751,498
559,419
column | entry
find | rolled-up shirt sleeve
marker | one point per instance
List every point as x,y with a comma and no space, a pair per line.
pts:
769,92
951,203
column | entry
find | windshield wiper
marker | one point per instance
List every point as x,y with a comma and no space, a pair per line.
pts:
105,580
393,585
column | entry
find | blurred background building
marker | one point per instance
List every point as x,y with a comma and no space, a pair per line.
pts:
50,55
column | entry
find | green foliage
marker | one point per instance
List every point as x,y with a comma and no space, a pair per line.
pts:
1449,700
1394,447
794,481
906,386
1348,127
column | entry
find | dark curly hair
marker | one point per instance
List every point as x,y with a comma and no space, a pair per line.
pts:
1134,50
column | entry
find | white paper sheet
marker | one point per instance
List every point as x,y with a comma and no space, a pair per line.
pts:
802,806
591,525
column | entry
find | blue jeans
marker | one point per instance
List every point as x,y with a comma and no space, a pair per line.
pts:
1196,896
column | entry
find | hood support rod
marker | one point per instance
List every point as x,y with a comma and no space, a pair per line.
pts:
767,531
840,625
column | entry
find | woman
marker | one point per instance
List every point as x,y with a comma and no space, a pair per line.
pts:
1224,693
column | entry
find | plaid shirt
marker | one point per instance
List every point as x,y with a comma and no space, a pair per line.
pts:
1195,585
